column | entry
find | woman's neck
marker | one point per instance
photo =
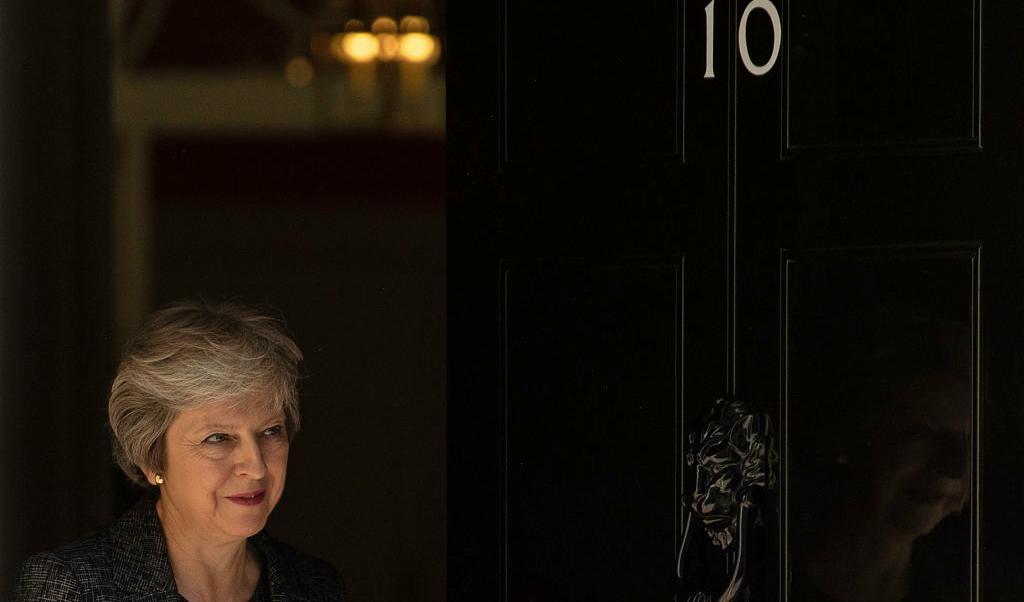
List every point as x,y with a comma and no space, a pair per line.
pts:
204,570
856,563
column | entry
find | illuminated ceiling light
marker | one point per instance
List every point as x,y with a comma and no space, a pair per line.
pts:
357,47
389,46
299,72
414,24
384,25
382,42
417,48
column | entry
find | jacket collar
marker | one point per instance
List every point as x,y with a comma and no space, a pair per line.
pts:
139,554
142,567
282,577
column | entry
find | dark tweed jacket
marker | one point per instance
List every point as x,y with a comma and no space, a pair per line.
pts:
128,561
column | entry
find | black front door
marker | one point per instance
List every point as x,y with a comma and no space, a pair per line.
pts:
808,209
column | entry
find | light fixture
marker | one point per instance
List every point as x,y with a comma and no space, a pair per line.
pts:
417,48
356,46
406,40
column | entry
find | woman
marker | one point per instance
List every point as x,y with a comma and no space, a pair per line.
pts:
876,490
202,412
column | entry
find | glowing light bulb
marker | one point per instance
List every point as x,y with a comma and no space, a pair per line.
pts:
417,48
357,47
388,46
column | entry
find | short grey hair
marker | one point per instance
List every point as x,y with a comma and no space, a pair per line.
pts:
191,354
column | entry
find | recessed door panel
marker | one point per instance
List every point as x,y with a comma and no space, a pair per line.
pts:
593,410
586,84
889,74
881,424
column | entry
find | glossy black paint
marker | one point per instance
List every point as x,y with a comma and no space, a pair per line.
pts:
869,172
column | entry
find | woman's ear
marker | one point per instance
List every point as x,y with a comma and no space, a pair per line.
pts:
151,476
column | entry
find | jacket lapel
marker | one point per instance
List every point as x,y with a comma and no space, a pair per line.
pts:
142,568
284,585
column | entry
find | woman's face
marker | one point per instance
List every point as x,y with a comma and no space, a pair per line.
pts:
224,470
920,457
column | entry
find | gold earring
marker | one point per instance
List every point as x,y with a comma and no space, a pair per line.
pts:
159,479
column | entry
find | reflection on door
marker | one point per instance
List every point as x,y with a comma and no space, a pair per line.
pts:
880,425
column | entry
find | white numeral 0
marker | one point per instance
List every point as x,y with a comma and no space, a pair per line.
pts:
709,21
773,13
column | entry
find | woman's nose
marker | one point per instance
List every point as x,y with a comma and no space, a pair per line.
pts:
952,455
249,461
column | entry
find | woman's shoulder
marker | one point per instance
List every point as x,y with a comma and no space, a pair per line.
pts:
127,554
64,573
298,574
45,576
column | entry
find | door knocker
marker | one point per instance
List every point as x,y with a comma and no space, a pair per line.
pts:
735,464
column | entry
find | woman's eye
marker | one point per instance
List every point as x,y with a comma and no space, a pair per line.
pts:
272,431
216,438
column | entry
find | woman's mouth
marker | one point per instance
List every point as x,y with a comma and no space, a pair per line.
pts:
931,495
251,498
925,497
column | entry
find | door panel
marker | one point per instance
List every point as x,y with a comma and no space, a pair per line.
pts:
880,415
573,92
882,74
598,179
593,367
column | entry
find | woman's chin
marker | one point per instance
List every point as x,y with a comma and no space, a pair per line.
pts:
245,522
247,528
918,517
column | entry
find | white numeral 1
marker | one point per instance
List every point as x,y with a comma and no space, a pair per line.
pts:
709,48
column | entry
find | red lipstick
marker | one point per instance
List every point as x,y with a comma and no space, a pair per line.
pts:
250,498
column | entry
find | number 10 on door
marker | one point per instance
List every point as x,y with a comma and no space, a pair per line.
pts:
741,37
